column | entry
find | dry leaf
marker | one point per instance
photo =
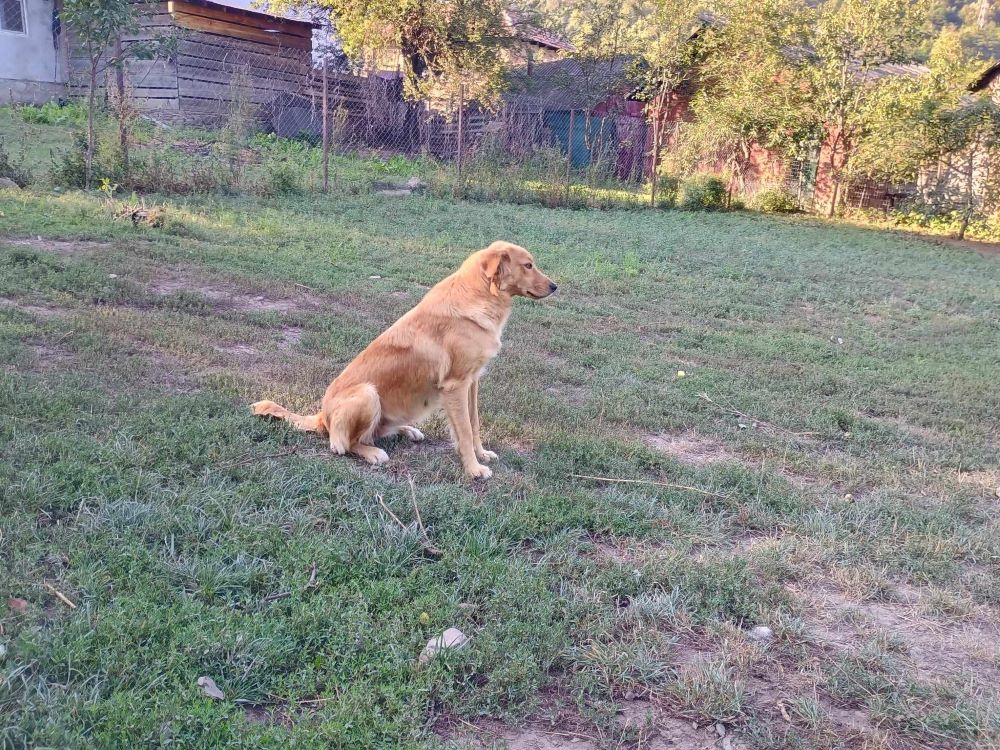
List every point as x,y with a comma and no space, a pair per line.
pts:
18,605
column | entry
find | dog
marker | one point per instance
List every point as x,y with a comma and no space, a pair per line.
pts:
433,356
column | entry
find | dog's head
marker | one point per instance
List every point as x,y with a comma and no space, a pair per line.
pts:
510,269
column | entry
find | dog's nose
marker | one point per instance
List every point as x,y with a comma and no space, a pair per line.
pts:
552,287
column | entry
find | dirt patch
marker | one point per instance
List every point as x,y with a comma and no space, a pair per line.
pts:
290,336
574,394
690,448
241,351
52,357
60,247
925,434
267,715
223,294
987,480
987,249
936,649
640,724
40,311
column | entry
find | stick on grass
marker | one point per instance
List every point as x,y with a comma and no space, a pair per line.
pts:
59,595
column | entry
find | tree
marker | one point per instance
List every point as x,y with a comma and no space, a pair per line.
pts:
932,131
96,25
752,94
443,44
848,42
666,35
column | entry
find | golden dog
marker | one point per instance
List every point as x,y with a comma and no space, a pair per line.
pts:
432,356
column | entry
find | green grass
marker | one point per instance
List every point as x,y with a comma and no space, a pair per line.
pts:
134,481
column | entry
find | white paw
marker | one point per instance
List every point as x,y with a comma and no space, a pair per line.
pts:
486,456
376,456
412,433
478,471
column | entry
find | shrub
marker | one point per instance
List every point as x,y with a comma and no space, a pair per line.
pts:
775,200
283,178
51,113
14,170
667,188
702,192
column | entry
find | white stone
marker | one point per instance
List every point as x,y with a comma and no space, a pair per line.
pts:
761,633
451,638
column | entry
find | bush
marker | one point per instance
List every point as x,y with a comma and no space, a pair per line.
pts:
14,170
667,188
775,200
51,113
702,192
283,178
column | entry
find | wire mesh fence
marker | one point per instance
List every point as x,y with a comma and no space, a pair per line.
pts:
555,141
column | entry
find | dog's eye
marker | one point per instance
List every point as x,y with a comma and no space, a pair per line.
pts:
528,266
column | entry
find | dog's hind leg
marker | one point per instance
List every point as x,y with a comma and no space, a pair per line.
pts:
353,418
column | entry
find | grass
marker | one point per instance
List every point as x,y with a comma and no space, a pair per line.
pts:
856,499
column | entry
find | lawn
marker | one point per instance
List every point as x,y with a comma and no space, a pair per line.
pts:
831,454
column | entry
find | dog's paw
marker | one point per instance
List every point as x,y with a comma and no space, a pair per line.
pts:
486,456
479,471
262,408
412,433
375,456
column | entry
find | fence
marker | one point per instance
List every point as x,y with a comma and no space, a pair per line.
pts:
554,147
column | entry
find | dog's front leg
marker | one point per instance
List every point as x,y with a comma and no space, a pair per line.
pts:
481,453
456,397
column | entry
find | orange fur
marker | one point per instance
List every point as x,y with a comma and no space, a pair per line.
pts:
431,357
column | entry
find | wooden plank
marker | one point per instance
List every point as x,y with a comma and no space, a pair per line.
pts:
210,55
212,26
223,92
237,16
268,78
229,43
243,60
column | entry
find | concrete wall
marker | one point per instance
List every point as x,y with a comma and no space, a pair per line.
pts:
32,57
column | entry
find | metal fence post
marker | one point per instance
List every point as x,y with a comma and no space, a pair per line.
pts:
461,128
569,150
326,129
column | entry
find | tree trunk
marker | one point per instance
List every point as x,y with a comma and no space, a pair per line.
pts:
983,15
970,193
656,153
123,111
91,104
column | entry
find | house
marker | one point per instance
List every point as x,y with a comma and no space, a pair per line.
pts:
585,109
219,57
33,64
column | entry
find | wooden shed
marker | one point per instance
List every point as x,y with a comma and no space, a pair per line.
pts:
223,58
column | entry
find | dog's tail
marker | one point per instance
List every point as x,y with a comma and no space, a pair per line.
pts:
311,423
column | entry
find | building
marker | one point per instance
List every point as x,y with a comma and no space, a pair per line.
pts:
33,64
218,57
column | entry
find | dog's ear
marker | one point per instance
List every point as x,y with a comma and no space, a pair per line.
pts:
494,268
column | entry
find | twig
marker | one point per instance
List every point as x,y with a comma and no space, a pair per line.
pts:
251,459
312,577
395,518
60,595
650,481
784,712
429,548
275,596
755,420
